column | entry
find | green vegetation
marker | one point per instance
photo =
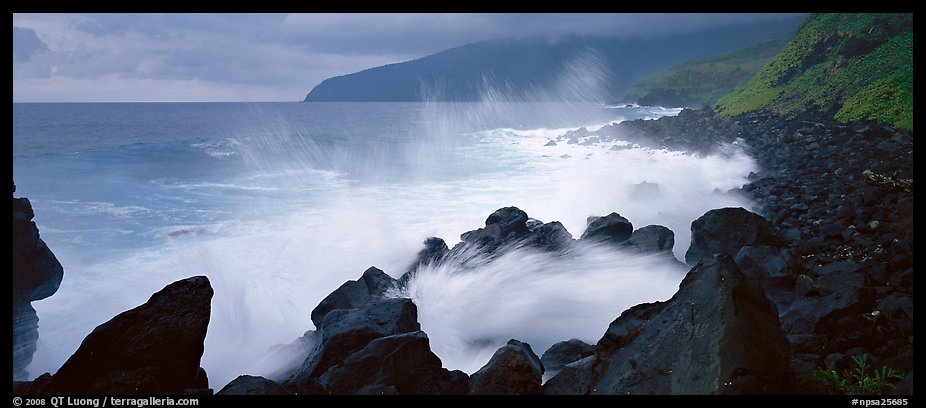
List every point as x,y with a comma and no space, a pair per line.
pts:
848,66
702,82
859,381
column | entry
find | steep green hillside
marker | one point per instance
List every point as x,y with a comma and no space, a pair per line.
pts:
849,66
702,82
527,69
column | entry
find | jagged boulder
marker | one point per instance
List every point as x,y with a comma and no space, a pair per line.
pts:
611,228
719,334
504,225
573,378
551,236
372,285
402,364
726,230
513,369
154,348
565,352
510,227
345,331
433,252
250,385
652,238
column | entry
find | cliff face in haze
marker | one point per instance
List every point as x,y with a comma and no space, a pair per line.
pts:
846,66
535,69
702,82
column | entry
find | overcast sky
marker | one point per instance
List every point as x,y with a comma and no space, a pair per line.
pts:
268,57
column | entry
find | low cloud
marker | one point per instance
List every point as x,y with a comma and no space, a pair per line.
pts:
276,55
26,44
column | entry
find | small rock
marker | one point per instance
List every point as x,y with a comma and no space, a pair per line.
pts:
513,369
563,353
250,385
611,228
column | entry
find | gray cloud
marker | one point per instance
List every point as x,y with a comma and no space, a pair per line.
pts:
276,56
428,33
26,44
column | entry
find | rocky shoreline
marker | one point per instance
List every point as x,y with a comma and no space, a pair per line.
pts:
824,273
841,197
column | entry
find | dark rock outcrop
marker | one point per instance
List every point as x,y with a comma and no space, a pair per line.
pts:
513,369
764,263
345,331
369,344
563,353
434,251
302,386
347,320
611,228
402,364
725,231
504,225
250,385
839,192
37,275
551,236
510,227
371,286
719,334
652,238
573,378
25,336
154,348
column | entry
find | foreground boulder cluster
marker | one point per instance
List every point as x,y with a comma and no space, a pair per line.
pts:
825,273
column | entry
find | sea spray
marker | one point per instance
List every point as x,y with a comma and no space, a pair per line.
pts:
471,306
291,206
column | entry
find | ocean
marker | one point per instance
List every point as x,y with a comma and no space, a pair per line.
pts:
280,203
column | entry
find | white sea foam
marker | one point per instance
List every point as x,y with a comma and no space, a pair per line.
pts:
305,228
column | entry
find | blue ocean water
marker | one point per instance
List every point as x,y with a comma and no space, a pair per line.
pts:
280,203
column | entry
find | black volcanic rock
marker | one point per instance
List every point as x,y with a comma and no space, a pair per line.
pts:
764,263
505,224
513,369
371,286
573,378
725,231
37,275
510,227
36,272
652,238
25,335
250,385
154,348
551,236
510,220
433,252
565,352
719,334
611,228
345,331
401,363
